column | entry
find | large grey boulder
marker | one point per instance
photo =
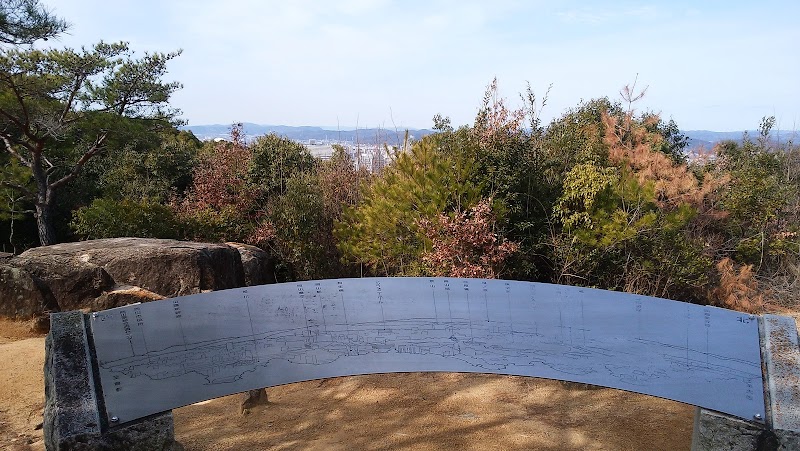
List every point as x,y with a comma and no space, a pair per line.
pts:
21,293
259,266
71,278
99,274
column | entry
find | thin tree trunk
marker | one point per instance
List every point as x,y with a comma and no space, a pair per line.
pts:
44,199
11,232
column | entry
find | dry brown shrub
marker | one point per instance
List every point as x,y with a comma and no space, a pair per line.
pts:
785,286
738,288
496,123
341,183
631,144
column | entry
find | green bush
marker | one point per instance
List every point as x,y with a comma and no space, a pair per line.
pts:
209,224
108,218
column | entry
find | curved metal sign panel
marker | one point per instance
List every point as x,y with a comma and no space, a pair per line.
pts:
160,355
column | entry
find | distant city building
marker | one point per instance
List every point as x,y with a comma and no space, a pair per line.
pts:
371,157
321,151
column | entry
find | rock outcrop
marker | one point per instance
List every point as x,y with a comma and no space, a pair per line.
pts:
259,267
99,274
22,295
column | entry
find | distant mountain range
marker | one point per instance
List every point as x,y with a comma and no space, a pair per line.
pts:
697,138
307,133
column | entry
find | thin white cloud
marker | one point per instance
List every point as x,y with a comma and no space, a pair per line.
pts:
596,15
359,7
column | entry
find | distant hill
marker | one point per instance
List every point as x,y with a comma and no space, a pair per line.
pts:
708,138
306,133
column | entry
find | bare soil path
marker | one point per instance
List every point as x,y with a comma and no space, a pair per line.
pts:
21,386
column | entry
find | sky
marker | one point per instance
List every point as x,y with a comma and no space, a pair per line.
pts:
708,65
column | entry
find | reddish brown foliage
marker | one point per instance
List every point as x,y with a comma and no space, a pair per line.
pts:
221,203
465,245
262,234
220,179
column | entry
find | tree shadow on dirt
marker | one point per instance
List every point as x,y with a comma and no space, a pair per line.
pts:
439,411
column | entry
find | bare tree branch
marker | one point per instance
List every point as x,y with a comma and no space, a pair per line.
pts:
19,124
17,186
14,153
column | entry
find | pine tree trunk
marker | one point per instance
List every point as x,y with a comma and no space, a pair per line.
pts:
44,222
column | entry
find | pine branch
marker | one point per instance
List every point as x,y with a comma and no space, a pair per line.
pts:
76,169
73,93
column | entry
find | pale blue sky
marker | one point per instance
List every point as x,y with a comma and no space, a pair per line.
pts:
716,65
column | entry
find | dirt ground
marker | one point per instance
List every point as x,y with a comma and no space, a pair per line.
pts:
385,411
439,411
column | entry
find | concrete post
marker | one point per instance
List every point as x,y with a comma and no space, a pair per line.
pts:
73,400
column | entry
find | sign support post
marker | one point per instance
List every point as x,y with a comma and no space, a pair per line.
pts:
72,418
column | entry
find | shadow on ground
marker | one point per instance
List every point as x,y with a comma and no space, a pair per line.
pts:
438,411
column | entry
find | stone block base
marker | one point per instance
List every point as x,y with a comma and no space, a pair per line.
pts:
716,431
